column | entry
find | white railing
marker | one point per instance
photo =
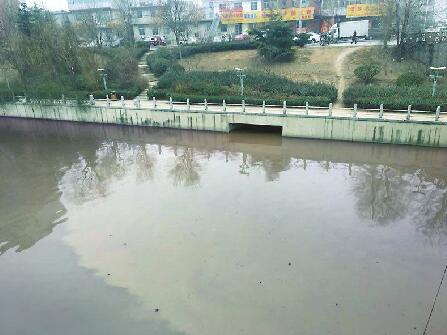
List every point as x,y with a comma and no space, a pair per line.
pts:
243,107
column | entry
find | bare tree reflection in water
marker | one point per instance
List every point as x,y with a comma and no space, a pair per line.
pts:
93,177
385,194
430,200
382,193
186,170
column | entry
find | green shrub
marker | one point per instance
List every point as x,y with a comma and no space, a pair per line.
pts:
395,97
366,73
302,40
410,79
275,40
159,66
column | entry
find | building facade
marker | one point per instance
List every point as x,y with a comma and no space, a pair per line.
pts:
145,22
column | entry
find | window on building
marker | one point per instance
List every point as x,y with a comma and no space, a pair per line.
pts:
238,5
222,6
223,28
283,3
155,31
142,31
254,5
139,13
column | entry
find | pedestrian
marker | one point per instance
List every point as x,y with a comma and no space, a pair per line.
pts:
354,37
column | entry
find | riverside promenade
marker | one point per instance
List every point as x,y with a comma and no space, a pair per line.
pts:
409,127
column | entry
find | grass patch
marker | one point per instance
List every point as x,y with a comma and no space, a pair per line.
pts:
310,64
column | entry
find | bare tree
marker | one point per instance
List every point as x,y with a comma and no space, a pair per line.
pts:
179,16
126,14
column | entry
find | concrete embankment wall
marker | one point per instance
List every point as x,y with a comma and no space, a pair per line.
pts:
432,134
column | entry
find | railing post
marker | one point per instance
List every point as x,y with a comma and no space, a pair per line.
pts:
155,102
224,105
92,100
330,109
355,111
409,112
381,112
63,99
122,101
307,108
243,106
438,111
263,106
107,100
284,107
188,106
170,104
137,103
206,105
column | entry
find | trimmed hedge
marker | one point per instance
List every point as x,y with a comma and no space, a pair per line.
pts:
231,99
395,97
410,79
257,84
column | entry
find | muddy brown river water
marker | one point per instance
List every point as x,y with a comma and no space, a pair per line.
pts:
126,230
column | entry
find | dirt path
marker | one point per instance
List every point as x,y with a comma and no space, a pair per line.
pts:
339,67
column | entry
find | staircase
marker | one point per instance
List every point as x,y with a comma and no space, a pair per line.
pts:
143,68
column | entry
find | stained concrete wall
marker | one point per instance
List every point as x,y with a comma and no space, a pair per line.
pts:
432,134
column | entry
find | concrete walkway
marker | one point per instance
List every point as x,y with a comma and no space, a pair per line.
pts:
143,69
312,111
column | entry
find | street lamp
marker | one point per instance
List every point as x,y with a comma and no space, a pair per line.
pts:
104,77
241,76
435,76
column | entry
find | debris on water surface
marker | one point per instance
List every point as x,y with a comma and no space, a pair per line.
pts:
156,310
290,264
336,304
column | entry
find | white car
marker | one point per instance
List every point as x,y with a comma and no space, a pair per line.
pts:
314,37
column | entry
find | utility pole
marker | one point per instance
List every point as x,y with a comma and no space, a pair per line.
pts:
435,76
104,77
241,76
300,22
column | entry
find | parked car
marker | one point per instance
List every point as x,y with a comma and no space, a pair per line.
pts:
189,40
313,37
242,37
306,38
156,40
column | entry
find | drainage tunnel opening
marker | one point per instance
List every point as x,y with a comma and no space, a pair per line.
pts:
254,128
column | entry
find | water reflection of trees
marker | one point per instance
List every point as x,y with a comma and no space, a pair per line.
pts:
186,170
385,194
91,177
29,198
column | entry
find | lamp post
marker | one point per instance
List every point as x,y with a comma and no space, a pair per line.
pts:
104,77
435,76
241,76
